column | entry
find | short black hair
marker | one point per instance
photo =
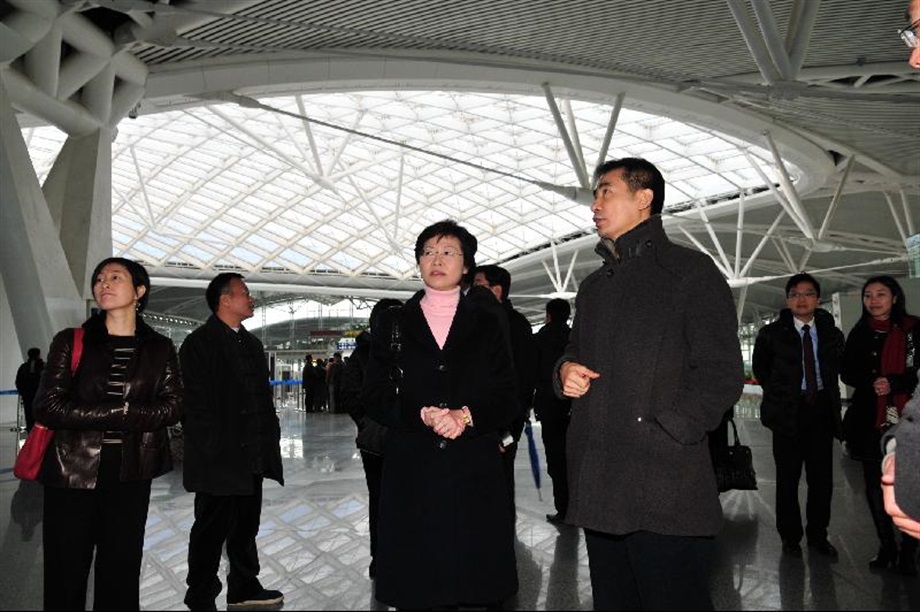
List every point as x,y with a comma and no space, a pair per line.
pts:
139,277
218,286
639,174
497,275
449,227
34,353
559,310
802,277
898,307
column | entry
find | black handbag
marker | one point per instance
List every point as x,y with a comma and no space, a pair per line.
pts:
372,435
734,466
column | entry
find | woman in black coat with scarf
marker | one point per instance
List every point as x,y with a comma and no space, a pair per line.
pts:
446,389
881,359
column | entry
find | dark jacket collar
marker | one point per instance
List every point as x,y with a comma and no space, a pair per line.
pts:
633,243
97,332
216,324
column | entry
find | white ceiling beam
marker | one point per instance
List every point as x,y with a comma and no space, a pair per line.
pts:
761,244
739,305
894,215
573,131
569,274
574,157
611,127
151,218
831,210
715,239
911,228
754,42
801,24
699,245
789,188
779,196
770,32
785,254
265,145
739,235
310,139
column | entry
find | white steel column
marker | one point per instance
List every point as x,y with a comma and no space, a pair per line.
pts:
79,192
43,297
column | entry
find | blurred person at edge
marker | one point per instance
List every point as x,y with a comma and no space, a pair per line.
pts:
446,528
881,360
110,440
902,500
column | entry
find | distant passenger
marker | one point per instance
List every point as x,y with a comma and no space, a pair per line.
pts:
797,363
498,280
552,411
27,378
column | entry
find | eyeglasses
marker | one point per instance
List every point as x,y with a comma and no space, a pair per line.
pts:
909,34
446,253
794,295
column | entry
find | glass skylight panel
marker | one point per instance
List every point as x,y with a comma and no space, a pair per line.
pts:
208,182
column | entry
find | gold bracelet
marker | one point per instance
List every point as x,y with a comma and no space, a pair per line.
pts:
465,416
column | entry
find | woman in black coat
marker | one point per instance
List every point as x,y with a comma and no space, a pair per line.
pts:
446,389
880,362
109,419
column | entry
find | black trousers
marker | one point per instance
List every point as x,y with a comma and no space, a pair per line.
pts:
373,468
108,520
554,431
219,519
649,571
812,448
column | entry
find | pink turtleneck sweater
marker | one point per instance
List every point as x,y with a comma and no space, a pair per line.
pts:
439,308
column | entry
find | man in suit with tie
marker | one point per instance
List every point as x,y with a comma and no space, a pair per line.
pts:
796,361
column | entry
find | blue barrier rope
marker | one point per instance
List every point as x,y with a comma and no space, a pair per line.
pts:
9,392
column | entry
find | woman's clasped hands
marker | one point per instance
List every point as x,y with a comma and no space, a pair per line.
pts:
445,422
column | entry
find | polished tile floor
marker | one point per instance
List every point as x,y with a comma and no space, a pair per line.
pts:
314,537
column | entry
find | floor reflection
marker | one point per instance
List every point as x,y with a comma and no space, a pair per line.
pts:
314,537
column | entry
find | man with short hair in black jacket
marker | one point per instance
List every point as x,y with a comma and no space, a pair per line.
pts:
801,405
552,411
232,443
520,335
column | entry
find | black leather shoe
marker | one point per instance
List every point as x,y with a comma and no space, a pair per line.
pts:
824,547
793,549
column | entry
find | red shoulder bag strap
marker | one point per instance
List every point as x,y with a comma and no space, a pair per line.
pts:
77,349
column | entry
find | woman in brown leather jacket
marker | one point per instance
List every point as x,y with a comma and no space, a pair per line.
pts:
109,419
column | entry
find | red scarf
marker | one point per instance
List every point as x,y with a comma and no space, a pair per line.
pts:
892,361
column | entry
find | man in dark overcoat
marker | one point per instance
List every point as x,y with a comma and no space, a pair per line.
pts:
652,364
552,411
523,352
232,442
804,421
